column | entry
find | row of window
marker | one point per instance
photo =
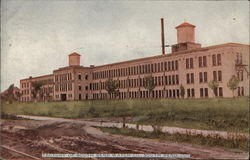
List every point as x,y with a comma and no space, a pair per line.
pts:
140,82
47,90
63,87
43,90
63,77
45,81
24,85
69,96
171,93
25,92
24,99
141,69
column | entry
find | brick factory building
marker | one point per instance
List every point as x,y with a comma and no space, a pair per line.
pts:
188,65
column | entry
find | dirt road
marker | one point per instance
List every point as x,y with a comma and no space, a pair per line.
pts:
67,136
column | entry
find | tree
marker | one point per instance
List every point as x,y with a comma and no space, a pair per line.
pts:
233,83
182,90
112,87
8,95
214,86
149,83
36,91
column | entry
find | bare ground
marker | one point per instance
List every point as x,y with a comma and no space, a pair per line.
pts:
37,137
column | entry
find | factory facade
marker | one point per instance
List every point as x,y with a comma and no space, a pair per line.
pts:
189,65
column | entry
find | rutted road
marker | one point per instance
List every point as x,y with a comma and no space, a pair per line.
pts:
56,135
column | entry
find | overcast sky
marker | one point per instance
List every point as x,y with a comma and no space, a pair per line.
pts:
37,36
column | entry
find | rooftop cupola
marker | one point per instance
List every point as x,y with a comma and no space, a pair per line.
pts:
74,59
185,38
185,33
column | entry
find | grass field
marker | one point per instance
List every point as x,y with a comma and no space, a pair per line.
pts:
229,114
232,143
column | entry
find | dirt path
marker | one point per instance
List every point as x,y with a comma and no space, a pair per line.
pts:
70,136
148,128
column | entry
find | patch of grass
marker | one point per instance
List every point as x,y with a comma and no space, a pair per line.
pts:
232,143
227,114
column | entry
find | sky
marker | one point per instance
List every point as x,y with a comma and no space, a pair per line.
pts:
38,35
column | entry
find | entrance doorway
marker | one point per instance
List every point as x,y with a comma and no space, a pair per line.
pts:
63,97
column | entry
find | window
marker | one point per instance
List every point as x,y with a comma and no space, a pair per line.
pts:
188,93
80,88
166,80
200,61
219,76
191,63
206,92
214,76
176,64
177,79
173,68
214,60
169,80
86,77
165,66
205,76
178,93
79,77
192,78
204,61
220,92
240,75
218,59
187,63
201,77
216,92
193,93
187,77
173,79
201,92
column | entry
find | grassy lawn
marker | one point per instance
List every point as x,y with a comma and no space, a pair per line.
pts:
241,144
228,114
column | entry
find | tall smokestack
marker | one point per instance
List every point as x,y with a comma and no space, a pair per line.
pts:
162,36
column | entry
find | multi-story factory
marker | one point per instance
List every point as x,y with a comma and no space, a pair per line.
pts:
189,65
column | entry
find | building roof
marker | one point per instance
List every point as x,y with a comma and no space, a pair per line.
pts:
43,76
174,54
74,54
185,24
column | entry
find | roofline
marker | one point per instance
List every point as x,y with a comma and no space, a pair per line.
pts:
175,53
69,67
185,24
37,77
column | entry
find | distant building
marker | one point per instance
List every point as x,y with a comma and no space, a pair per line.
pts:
189,65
